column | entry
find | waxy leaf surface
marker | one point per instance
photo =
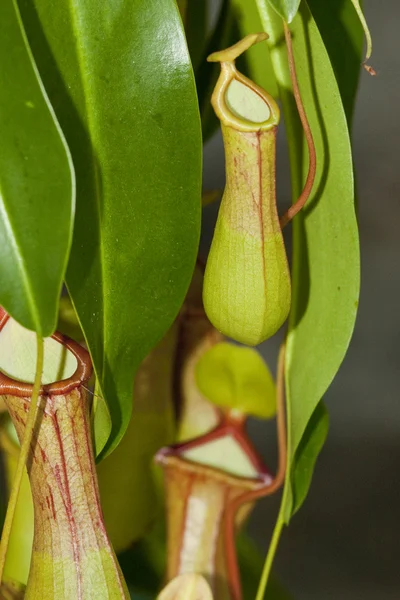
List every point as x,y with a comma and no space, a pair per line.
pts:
325,271
121,83
36,186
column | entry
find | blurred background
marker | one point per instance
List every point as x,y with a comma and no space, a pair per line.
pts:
344,544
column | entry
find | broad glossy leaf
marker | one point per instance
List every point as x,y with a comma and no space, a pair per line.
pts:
236,377
121,83
36,186
287,9
325,272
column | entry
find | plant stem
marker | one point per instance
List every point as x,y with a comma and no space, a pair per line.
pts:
364,24
270,558
23,455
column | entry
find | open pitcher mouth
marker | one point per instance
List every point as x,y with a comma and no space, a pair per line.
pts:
225,452
245,103
238,102
66,364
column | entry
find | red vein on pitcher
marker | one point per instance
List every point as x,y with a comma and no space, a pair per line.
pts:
200,486
71,553
247,289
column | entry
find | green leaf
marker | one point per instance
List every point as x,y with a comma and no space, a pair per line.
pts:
121,83
326,270
257,57
287,9
307,452
101,421
36,186
339,21
236,377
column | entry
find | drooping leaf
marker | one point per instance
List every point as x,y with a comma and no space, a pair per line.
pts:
236,377
339,21
306,455
325,272
287,9
121,83
36,186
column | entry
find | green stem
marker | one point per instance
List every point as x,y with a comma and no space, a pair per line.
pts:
273,25
23,455
270,558
363,21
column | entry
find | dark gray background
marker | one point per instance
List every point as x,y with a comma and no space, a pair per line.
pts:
344,544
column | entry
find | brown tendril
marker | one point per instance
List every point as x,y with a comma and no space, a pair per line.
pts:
305,194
